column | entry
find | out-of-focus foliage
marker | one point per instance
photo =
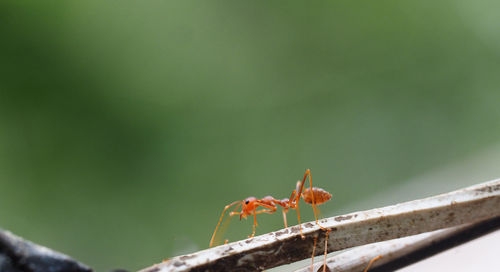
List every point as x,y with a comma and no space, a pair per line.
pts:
126,126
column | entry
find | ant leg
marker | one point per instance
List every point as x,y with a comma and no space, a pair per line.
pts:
256,212
326,249
285,204
288,204
371,262
298,193
264,211
308,172
272,209
218,224
294,204
314,250
284,218
326,252
295,201
254,224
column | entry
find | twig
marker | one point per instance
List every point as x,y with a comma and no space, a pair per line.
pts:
404,251
469,205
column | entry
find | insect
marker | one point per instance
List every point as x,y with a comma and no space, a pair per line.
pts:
249,206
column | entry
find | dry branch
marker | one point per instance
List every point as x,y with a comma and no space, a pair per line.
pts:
398,253
469,205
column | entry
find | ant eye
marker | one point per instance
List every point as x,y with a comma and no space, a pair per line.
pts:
246,202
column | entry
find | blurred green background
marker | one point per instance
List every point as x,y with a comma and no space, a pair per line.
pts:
126,126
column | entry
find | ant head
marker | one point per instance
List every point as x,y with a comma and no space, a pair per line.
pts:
247,207
249,201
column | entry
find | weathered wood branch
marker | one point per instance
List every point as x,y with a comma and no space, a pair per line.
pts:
469,205
401,252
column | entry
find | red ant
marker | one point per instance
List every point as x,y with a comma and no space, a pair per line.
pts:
312,195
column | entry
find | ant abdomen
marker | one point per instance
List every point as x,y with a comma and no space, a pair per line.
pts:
320,196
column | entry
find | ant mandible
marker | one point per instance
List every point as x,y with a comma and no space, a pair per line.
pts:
312,195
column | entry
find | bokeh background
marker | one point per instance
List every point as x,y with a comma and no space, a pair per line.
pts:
126,126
